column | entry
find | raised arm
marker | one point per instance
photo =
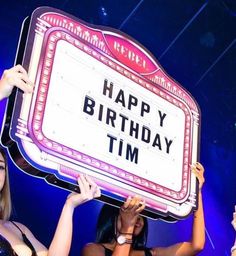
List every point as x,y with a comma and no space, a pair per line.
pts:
15,76
233,249
196,244
62,239
127,219
61,242
125,224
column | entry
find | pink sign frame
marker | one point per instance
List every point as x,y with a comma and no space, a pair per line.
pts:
126,57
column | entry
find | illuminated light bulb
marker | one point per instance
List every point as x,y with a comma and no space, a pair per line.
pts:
78,156
49,144
39,108
40,136
36,127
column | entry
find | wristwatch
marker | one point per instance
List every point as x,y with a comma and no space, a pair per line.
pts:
121,239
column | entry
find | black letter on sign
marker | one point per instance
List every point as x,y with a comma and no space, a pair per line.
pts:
111,142
111,117
130,155
162,116
89,105
144,108
168,143
120,98
146,134
107,88
157,141
132,101
134,128
123,119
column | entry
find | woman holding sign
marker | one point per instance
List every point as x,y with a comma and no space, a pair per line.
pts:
15,238
123,232
233,249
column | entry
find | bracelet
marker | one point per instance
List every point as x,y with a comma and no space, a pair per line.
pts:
233,248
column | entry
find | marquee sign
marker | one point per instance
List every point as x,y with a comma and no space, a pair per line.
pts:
102,105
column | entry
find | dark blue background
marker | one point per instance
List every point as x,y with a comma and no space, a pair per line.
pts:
195,42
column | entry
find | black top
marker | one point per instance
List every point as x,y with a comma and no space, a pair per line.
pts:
109,252
6,248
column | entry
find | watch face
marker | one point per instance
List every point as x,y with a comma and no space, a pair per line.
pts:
121,239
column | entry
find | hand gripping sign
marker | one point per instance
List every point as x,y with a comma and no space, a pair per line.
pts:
102,105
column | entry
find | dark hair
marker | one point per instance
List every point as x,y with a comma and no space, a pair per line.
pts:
5,195
106,227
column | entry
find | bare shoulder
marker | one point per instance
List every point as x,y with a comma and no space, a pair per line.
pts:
38,246
161,251
178,249
92,249
18,227
22,227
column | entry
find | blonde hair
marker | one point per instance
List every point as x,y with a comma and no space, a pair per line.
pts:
5,194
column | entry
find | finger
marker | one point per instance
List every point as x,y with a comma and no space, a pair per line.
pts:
82,184
19,81
126,203
90,180
95,191
86,183
199,176
29,84
199,167
194,170
131,203
194,166
141,207
22,85
137,203
19,68
86,190
27,80
134,203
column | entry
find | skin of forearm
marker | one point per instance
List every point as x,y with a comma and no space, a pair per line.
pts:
4,90
124,250
234,251
61,242
1,93
198,236
127,229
